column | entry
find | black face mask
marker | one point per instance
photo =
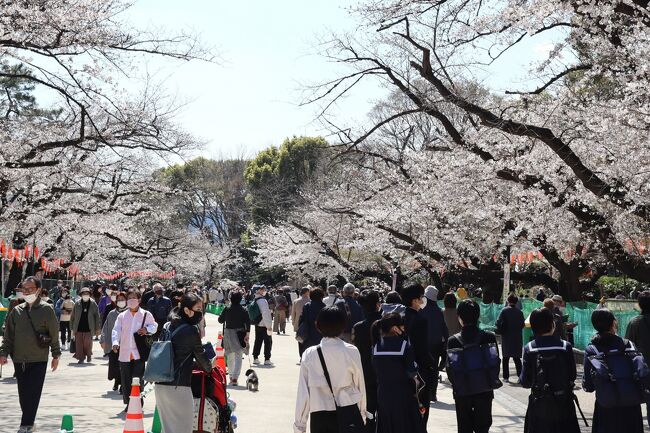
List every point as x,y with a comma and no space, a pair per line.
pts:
195,319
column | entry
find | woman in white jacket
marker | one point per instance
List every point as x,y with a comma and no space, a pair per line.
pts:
315,401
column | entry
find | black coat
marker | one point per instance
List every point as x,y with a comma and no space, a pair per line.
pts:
309,315
187,348
362,339
437,332
509,325
416,329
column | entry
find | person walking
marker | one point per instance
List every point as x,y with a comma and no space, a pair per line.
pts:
131,321
309,314
30,330
330,375
398,409
353,311
418,335
473,410
450,314
85,324
362,339
264,328
106,339
638,331
105,299
510,324
549,370
437,334
280,313
622,417
174,400
159,306
63,308
110,306
296,313
332,296
236,334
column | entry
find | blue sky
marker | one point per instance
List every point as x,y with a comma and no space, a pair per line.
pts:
269,50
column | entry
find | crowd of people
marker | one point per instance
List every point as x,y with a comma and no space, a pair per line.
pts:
370,361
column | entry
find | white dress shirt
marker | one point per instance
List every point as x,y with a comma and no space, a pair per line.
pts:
126,325
344,366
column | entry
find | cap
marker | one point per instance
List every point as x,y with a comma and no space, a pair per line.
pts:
431,293
84,290
557,298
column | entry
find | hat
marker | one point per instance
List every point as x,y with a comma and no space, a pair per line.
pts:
257,287
557,298
84,290
431,293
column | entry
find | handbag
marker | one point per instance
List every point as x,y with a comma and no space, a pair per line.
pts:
43,339
143,342
349,417
302,332
73,346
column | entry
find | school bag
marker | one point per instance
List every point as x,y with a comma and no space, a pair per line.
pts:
254,312
160,366
474,367
620,376
552,399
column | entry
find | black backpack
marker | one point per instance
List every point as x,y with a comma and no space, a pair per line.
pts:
620,376
551,400
474,367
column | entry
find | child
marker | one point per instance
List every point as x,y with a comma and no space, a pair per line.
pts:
397,409
614,416
549,369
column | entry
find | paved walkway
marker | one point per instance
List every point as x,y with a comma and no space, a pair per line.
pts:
84,392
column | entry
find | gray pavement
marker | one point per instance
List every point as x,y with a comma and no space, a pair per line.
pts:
84,392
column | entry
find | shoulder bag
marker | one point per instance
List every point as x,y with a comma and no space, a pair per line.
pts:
143,342
43,339
348,417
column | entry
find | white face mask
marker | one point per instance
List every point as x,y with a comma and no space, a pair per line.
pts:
19,295
133,303
30,299
85,298
113,298
121,304
108,292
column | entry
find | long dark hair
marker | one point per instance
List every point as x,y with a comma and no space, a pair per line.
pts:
189,300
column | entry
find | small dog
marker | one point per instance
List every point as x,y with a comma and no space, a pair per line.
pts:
252,381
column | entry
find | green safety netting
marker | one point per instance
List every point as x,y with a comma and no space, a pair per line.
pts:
584,331
489,315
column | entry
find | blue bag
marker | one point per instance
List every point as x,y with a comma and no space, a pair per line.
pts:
620,376
474,367
160,367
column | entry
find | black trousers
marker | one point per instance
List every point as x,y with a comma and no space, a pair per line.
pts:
506,366
474,414
437,352
262,337
129,370
323,422
301,349
64,327
30,377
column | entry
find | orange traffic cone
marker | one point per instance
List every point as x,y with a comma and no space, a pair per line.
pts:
220,359
134,419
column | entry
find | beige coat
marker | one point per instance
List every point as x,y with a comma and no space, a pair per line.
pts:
296,310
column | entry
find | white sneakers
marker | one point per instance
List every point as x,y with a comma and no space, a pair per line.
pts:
268,362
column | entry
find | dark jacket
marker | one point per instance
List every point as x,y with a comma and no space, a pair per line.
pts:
309,315
509,325
638,332
187,348
470,333
355,311
235,317
160,308
437,332
362,339
416,329
610,420
561,379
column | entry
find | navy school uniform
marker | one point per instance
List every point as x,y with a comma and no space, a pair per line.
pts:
397,404
626,419
559,360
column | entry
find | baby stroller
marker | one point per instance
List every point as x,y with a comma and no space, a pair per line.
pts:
211,409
